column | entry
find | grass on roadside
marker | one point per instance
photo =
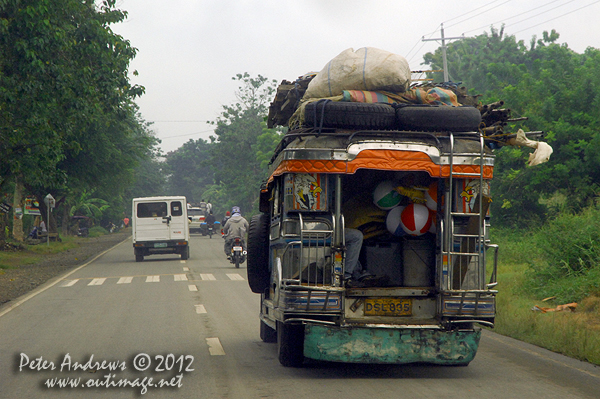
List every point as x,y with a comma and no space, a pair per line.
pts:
33,253
575,334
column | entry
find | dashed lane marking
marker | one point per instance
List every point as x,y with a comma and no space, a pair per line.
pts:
69,283
235,277
125,280
97,281
180,277
192,287
200,309
186,269
214,347
207,276
153,279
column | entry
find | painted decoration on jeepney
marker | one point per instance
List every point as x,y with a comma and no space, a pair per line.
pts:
467,191
308,191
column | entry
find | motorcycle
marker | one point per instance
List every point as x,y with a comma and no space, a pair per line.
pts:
209,229
238,253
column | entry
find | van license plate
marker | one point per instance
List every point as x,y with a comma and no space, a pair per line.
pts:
237,248
160,245
388,307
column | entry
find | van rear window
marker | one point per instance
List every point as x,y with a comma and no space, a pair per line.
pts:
176,208
151,209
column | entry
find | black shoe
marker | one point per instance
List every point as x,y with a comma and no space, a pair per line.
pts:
352,283
375,281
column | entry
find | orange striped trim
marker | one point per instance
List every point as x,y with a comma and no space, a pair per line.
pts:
382,160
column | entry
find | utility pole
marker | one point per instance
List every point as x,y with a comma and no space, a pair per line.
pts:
443,39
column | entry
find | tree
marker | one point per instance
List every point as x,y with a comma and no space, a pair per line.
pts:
237,169
67,117
558,91
189,170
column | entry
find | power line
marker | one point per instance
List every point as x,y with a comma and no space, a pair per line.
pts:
552,19
514,16
483,12
537,15
178,121
468,12
188,134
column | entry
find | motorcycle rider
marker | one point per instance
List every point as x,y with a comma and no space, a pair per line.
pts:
210,220
203,207
224,221
236,226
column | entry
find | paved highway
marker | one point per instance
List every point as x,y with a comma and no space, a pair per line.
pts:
107,328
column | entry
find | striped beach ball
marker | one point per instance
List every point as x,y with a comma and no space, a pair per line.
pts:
393,223
431,196
416,219
385,197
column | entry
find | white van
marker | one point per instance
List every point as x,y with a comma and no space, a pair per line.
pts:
160,226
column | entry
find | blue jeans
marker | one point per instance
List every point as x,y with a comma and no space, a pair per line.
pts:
352,267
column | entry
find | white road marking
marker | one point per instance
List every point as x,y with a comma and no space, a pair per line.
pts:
186,269
200,309
97,281
69,283
182,261
192,287
153,279
207,276
214,346
125,280
180,277
235,276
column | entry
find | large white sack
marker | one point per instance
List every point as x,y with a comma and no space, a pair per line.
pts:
367,68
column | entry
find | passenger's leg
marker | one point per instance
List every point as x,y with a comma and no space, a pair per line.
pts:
354,240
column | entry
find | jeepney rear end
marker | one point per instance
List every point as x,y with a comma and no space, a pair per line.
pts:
439,289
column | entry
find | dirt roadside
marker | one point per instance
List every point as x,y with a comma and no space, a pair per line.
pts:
17,282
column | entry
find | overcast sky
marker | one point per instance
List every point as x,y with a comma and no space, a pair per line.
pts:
188,50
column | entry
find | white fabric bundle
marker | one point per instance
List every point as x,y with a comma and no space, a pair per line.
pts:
367,68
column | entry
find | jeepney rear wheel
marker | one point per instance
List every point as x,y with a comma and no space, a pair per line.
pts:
438,118
290,344
267,334
258,253
340,114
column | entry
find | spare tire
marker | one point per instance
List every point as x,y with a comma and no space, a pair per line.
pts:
438,118
352,115
259,275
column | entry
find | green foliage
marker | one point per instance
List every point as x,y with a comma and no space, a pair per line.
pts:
568,266
573,334
558,91
68,122
86,205
189,170
229,169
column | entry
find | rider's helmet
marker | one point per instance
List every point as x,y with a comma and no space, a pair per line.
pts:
235,209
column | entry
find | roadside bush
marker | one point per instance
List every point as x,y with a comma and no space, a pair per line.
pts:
568,266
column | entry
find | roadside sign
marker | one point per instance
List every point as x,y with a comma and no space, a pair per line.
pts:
49,200
32,207
4,207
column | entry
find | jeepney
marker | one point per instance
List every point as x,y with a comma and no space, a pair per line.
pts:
441,287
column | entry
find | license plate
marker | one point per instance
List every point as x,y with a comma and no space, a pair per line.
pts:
160,245
388,307
237,249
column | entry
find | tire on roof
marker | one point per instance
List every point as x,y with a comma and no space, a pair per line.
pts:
352,115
